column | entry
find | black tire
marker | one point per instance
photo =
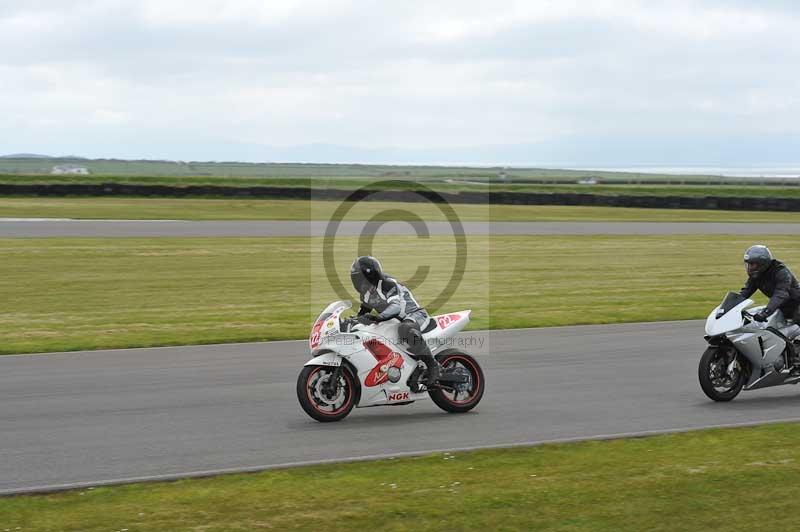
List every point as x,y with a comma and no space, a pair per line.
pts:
314,406
719,355
443,399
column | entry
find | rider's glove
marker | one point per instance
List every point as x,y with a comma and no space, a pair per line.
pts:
761,315
366,319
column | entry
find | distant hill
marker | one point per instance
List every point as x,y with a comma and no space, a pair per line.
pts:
20,164
25,156
152,171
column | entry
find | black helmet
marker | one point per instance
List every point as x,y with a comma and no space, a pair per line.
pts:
365,273
757,259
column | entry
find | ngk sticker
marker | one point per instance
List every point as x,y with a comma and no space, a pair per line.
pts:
398,396
447,319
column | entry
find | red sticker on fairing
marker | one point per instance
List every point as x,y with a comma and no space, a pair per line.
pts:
446,320
314,339
386,359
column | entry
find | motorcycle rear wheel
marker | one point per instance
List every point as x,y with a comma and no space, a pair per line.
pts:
713,376
457,401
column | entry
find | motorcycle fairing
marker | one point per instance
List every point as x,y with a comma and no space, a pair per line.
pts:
446,326
762,349
386,358
367,364
326,326
721,321
364,362
325,359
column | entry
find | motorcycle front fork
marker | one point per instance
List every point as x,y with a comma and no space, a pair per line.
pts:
332,385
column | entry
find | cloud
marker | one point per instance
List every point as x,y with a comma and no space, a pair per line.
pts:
101,76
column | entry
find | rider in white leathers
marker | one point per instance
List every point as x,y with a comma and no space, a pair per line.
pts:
385,295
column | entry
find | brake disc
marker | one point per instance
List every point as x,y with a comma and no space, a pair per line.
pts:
323,397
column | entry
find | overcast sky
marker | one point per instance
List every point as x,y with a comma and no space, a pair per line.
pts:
237,79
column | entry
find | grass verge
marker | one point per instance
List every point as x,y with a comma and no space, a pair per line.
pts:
222,209
661,483
84,293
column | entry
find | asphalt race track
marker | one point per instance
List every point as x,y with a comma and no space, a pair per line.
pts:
177,228
97,417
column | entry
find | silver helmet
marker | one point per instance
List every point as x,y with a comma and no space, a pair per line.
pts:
757,259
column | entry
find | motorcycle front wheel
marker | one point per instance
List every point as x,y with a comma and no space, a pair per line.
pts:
322,401
716,381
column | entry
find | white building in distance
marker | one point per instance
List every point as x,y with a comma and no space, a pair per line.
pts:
69,169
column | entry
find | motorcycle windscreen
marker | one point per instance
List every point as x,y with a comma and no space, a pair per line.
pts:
731,301
327,322
316,330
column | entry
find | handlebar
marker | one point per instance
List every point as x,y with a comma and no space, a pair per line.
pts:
347,324
752,321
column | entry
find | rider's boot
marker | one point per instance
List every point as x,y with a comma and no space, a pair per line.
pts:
419,348
793,354
434,370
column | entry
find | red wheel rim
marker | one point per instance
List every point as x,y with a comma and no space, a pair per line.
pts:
311,387
470,366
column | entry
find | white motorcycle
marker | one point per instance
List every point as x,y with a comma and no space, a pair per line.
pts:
746,354
366,365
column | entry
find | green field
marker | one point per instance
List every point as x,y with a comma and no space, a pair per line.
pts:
678,190
689,482
117,167
80,293
222,209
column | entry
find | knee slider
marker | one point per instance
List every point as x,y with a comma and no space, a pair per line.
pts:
412,336
405,330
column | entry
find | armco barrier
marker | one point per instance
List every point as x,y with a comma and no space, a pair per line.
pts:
474,197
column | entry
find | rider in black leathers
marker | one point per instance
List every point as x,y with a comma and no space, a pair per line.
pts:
775,280
778,283
384,294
